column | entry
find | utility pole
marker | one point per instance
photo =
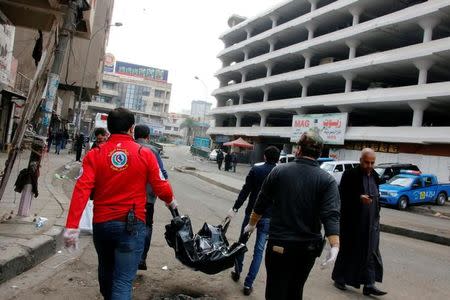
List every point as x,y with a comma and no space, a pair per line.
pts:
46,109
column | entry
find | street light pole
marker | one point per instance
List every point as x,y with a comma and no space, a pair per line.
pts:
78,114
206,97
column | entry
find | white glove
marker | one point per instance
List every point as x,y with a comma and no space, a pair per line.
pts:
249,229
71,237
331,256
231,213
173,204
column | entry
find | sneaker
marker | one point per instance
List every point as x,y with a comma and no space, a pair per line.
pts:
235,276
142,266
247,290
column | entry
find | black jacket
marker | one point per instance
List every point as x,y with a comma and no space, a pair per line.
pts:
303,196
252,186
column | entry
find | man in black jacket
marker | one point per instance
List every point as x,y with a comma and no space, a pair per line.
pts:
359,261
251,188
302,197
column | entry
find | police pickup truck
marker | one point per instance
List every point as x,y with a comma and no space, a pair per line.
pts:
413,188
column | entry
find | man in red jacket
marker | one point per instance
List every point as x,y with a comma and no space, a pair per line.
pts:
117,172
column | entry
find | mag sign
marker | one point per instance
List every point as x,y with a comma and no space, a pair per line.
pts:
331,127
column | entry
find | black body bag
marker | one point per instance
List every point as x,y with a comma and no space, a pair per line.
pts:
208,251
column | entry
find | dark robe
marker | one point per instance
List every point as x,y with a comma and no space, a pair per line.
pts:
359,260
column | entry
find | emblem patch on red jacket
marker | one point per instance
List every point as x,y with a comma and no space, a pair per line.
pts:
119,160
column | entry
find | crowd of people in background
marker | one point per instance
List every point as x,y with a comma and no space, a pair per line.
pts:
230,159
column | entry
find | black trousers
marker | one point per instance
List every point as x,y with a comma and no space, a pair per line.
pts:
287,271
78,153
219,164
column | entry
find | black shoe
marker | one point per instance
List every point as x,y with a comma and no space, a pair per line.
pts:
235,276
340,286
142,266
367,291
247,290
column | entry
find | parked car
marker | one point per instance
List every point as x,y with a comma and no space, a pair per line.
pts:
336,168
213,154
286,158
321,160
389,170
412,187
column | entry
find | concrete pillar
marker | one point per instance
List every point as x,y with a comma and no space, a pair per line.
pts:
313,4
274,18
241,97
249,32
266,91
311,27
356,13
418,108
246,53
269,66
263,115
308,56
352,45
238,120
345,108
243,76
428,24
301,111
272,44
423,66
305,84
348,81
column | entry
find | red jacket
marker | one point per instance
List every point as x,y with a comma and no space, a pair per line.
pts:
118,172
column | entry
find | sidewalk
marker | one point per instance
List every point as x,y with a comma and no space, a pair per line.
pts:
422,227
22,245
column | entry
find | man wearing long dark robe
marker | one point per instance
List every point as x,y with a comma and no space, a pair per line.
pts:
359,260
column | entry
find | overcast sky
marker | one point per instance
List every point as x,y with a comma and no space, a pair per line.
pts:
179,36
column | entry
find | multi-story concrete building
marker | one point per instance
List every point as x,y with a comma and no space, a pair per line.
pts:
200,109
143,90
173,129
385,63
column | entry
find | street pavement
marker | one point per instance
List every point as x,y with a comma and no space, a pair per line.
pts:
414,269
22,244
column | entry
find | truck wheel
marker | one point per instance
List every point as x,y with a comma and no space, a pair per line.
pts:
402,203
441,198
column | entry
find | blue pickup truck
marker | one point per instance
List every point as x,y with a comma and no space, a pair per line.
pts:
411,188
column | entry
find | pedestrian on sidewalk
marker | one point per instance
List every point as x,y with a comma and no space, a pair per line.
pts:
250,190
64,139
50,139
219,158
58,141
234,160
79,142
228,161
142,137
302,196
118,173
359,261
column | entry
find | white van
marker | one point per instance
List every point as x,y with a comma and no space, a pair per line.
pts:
337,168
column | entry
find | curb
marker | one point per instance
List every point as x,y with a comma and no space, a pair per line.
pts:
26,254
418,235
209,180
427,237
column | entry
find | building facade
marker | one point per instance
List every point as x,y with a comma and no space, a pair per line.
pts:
143,90
384,63
200,109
